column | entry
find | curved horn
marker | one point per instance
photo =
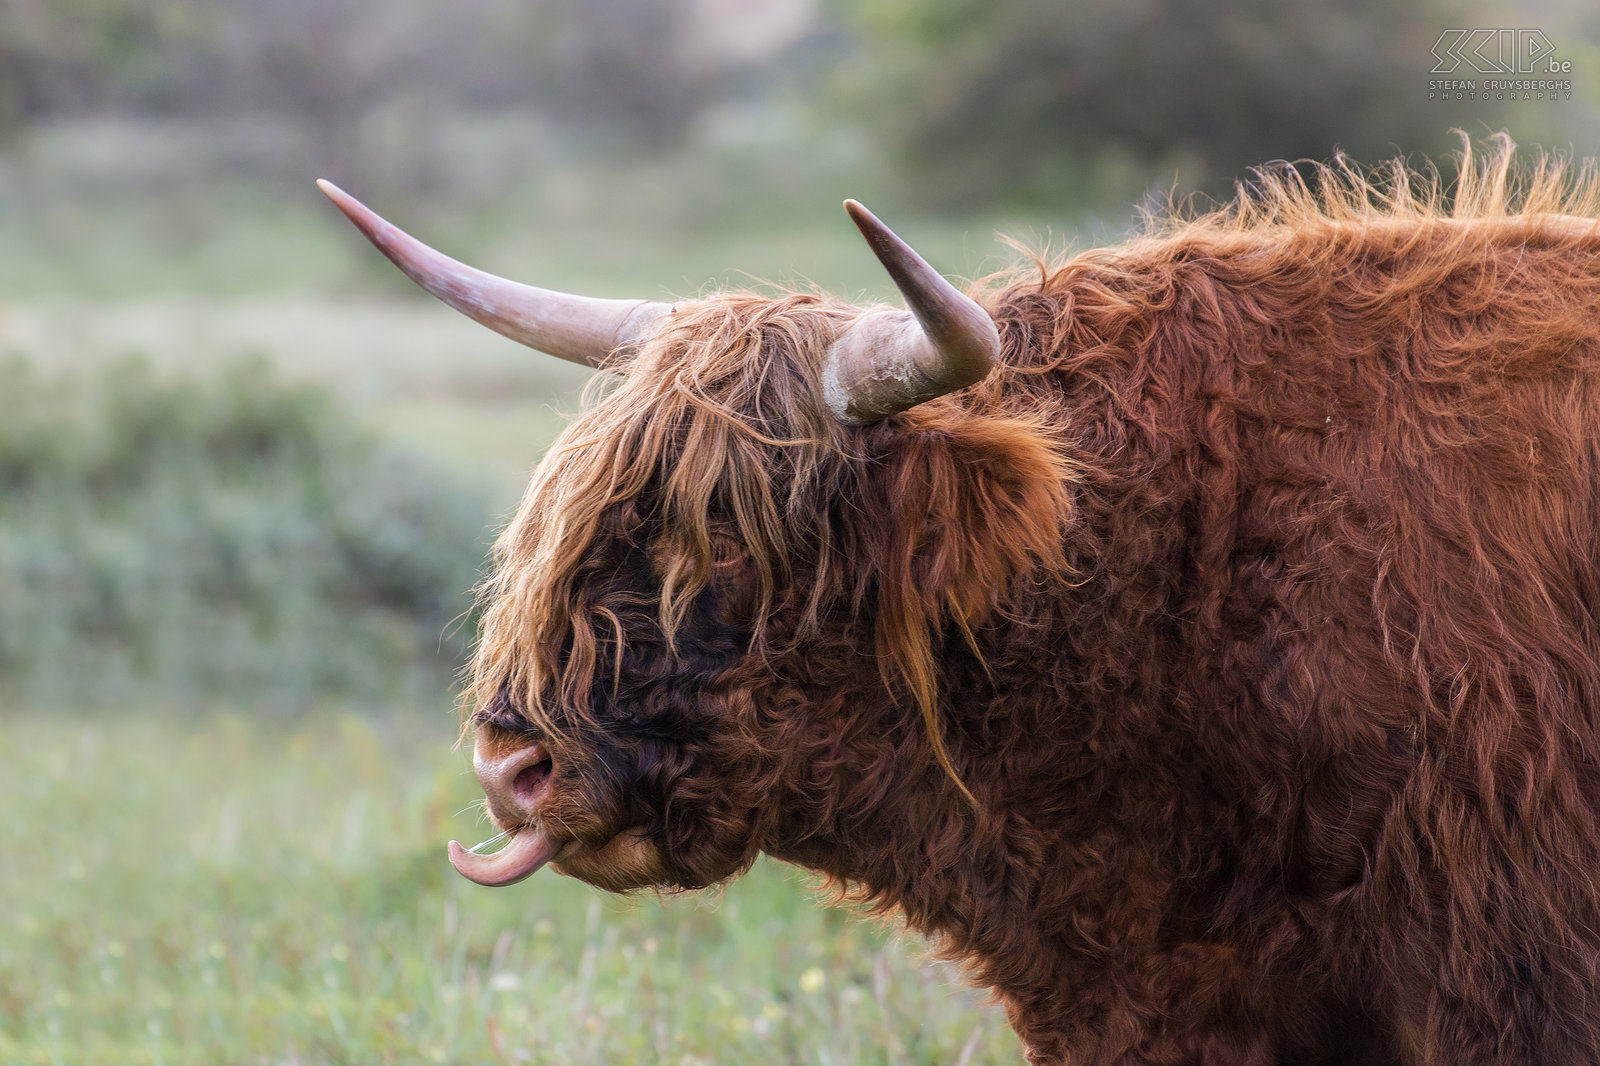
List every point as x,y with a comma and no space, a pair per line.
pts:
582,329
891,360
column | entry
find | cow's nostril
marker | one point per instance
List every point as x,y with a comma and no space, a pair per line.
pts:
531,779
514,782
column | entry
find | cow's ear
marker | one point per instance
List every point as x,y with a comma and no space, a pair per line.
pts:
960,506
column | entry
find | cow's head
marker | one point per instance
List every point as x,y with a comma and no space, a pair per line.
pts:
733,550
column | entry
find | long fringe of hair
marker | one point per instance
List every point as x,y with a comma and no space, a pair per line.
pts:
714,429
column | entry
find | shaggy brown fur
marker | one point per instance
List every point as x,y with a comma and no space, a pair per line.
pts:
1253,598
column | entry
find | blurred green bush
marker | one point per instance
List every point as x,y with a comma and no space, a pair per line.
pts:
232,539
1033,101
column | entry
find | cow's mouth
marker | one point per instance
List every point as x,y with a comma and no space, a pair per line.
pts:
528,849
519,781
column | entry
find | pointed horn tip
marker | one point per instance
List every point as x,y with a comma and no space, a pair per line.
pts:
860,215
341,199
369,222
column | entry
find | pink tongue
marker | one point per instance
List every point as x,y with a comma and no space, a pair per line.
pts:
529,849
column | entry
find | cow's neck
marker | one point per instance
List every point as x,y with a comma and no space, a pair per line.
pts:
901,836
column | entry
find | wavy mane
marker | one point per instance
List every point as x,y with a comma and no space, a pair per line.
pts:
718,427
1324,215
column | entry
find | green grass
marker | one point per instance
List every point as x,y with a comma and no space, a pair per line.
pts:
238,890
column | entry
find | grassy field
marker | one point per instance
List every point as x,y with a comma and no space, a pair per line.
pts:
232,889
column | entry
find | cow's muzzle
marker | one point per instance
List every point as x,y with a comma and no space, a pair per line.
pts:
515,778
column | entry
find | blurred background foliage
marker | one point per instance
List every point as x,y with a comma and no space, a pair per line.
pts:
1026,99
248,474
155,200
966,103
169,542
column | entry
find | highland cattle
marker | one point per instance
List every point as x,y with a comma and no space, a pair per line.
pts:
1199,638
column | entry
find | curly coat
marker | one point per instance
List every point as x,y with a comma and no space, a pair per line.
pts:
1219,680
